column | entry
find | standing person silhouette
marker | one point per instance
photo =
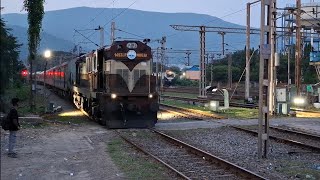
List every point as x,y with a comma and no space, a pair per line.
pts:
14,126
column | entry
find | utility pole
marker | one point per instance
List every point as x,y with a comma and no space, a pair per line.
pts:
157,70
101,29
247,81
113,29
271,70
211,73
202,30
229,71
188,56
298,48
265,55
289,54
163,48
222,35
202,83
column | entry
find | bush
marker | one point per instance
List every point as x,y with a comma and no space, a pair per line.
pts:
184,82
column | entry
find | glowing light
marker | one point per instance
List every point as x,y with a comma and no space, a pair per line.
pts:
71,113
150,96
299,101
47,53
24,73
113,96
166,116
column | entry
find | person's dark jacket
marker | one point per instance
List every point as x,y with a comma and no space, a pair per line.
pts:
14,120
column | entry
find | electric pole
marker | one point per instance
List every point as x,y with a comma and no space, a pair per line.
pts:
101,29
211,69
247,81
229,71
271,70
264,80
202,83
113,29
222,35
298,48
202,30
163,48
188,56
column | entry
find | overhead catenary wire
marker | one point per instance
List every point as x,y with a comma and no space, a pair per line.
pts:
113,18
244,70
210,21
130,33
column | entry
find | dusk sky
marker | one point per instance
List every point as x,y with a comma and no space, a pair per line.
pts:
229,10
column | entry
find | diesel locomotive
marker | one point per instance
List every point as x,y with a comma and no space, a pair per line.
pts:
114,84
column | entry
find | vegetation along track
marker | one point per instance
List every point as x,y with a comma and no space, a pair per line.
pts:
187,161
296,138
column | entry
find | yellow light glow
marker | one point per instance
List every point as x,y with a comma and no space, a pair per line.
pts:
166,115
113,96
299,101
71,113
150,96
47,54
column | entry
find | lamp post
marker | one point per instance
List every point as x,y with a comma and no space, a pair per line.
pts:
47,55
225,94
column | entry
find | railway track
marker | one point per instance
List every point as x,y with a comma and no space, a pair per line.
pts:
203,101
190,113
301,139
306,134
299,112
297,138
185,160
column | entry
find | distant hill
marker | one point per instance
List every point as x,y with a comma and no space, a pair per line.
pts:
59,28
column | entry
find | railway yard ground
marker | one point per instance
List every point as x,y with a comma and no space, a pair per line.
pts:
66,145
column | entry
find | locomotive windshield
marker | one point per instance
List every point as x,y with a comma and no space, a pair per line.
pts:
128,66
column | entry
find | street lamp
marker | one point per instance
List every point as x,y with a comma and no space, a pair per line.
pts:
223,92
47,55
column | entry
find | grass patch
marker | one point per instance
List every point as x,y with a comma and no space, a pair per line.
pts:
134,165
67,119
240,113
184,105
300,170
186,95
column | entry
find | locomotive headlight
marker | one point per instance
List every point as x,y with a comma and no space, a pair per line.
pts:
150,96
113,96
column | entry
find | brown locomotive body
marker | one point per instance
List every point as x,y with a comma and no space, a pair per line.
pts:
114,85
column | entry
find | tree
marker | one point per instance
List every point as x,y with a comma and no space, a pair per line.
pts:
9,64
35,11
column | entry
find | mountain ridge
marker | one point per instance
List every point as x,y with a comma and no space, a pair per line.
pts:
136,24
